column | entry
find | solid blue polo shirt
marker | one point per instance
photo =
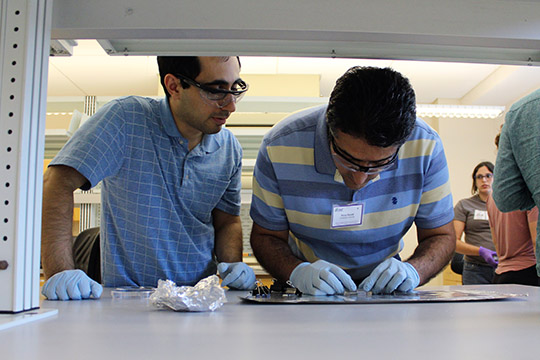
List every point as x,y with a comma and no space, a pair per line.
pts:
296,184
157,197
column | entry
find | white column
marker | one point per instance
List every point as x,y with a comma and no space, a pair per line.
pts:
25,27
90,212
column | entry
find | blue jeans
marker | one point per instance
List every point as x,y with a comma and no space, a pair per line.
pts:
475,274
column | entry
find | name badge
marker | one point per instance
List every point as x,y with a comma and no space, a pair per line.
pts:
480,215
351,214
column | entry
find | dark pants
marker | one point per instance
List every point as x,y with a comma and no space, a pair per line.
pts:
526,276
86,252
475,274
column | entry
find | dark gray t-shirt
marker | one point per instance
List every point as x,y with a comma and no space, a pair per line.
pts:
473,213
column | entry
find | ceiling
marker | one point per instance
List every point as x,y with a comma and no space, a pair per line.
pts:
90,71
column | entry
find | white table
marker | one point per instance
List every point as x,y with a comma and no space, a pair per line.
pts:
126,329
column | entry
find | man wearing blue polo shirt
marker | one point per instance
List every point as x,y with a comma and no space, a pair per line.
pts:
171,185
336,187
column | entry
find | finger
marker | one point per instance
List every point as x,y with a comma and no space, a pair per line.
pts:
222,268
237,283
84,289
371,280
61,292
381,282
72,284
395,282
344,278
384,278
96,289
322,286
58,286
49,291
407,285
248,281
72,290
332,280
367,283
233,276
315,291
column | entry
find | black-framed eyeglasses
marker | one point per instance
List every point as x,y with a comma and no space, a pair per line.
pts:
481,177
347,161
218,96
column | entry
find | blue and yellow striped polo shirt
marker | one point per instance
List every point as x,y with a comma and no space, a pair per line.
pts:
296,183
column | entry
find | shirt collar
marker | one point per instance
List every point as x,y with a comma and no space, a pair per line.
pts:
167,119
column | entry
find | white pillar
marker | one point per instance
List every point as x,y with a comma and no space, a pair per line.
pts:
90,212
25,27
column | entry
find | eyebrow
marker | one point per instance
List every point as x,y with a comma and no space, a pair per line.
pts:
221,82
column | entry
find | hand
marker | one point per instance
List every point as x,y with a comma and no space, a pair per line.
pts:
488,256
391,275
71,285
321,278
237,275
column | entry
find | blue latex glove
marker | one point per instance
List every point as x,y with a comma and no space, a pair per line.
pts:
391,275
489,256
321,278
237,275
71,285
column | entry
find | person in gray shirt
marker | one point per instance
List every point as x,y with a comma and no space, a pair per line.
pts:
470,217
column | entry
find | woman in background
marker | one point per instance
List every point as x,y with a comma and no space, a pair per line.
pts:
471,218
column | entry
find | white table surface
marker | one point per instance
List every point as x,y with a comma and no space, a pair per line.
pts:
127,329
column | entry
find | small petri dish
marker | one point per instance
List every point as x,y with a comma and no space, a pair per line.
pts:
132,292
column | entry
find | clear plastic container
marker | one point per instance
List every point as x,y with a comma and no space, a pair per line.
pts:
132,292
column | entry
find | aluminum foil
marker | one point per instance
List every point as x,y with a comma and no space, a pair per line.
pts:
206,295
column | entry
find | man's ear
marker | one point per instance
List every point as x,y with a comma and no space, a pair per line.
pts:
172,84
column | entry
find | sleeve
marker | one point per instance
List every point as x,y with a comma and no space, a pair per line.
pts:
96,149
517,169
459,212
436,208
510,191
267,208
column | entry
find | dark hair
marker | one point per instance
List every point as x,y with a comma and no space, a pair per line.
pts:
189,66
375,104
487,164
498,137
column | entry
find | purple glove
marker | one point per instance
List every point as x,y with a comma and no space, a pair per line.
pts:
489,256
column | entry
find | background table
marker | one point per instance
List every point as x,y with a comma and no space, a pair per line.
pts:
128,329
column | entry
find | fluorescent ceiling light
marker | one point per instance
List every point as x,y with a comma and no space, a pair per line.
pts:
459,111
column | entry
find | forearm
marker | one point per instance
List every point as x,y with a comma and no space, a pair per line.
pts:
56,231
228,245
432,255
467,249
227,236
273,253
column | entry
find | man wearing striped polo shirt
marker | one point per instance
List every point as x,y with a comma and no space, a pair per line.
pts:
336,188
